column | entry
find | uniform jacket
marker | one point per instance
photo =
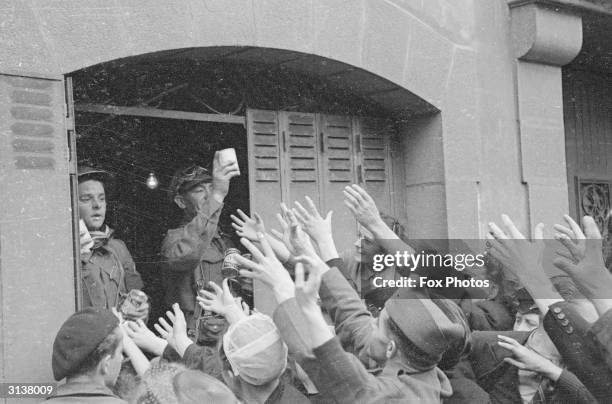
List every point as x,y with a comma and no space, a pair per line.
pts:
500,379
583,347
77,393
108,272
339,376
193,253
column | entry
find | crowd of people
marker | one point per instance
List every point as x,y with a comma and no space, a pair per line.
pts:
332,337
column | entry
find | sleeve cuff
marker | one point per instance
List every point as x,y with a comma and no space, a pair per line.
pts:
171,355
328,352
336,262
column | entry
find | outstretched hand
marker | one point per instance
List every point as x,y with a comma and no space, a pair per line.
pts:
363,207
221,302
144,338
527,359
520,256
572,238
294,238
523,258
307,290
175,334
248,227
317,227
589,272
267,269
307,294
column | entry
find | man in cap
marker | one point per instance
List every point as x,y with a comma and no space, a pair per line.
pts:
87,352
108,270
194,251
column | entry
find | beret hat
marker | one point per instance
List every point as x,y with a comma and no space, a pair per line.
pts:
78,337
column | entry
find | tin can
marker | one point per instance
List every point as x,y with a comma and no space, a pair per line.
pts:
230,265
134,299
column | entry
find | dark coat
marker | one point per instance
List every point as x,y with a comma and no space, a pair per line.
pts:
583,347
500,379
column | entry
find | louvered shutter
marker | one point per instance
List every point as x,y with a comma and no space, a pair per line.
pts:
265,179
37,284
375,161
337,172
301,156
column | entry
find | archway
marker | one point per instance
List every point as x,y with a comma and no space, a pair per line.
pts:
155,113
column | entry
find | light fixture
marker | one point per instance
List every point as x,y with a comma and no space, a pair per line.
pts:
152,181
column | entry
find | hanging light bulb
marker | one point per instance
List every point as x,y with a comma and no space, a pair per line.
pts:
152,181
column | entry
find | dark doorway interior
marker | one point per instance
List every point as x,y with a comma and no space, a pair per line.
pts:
131,149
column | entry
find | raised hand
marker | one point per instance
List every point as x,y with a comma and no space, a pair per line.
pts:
294,238
527,359
221,302
248,227
222,174
317,227
307,290
267,268
590,273
523,258
572,238
133,352
144,338
306,294
363,207
175,334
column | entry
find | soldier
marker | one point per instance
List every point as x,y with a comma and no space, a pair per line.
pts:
194,251
108,270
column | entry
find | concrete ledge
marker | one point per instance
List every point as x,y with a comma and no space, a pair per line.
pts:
545,34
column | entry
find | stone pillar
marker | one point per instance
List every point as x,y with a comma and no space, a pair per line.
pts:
545,36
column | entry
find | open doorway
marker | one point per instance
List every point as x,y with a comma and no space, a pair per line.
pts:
139,151
156,113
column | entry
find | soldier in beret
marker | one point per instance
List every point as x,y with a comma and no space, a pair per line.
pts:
87,352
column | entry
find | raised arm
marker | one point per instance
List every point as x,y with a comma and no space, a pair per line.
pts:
524,259
584,263
363,207
183,247
221,302
353,322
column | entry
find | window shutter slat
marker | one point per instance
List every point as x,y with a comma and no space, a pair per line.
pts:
337,172
301,155
264,163
375,139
